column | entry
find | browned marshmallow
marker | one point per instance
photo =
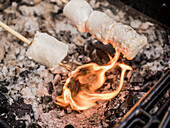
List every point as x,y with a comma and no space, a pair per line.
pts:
127,40
99,25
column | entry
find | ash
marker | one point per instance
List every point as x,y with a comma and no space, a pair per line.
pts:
28,89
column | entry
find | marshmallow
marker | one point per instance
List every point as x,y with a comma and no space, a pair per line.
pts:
99,25
127,40
78,11
47,50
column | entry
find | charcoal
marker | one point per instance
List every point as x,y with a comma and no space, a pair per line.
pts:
3,89
28,89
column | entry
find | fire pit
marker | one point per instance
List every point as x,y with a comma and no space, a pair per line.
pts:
28,89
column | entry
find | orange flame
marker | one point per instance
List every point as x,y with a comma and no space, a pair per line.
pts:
79,91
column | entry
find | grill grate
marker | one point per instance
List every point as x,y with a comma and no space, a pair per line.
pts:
153,110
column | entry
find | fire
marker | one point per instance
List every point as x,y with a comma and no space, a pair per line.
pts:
79,91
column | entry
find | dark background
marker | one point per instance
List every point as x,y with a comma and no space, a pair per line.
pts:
156,9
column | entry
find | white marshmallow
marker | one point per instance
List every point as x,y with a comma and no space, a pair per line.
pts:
78,11
104,28
47,50
127,40
99,25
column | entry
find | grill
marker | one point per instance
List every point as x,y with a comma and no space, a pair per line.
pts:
153,110
26,102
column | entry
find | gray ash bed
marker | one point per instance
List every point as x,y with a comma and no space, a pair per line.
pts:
27,92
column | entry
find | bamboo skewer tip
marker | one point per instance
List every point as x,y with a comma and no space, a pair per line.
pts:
64,1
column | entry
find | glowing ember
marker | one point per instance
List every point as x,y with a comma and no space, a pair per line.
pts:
79,91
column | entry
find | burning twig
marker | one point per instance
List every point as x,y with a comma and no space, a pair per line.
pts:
44,49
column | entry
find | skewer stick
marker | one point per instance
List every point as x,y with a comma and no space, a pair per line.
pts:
64,1
61,64
16,34
25,40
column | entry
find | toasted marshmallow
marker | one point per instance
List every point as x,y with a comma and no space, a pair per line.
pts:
99,25
127,40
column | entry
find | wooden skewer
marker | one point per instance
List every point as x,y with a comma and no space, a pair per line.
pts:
64,1
16,34
25,40
61,64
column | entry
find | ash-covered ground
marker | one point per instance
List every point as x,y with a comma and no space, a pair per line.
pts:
27,92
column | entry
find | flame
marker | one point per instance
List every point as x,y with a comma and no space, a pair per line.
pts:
79,91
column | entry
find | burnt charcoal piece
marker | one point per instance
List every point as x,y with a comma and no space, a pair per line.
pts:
4,83
90,47
108,113
80,50
20,42
20,108
112,123
136,78
46,99
3,89
20,124
34,126
24,74
3,124
64,35
50,87
3,99
130,100
8,112
3,103
151,76
102,55
68,111
107,48
69,126
15,79
57,15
